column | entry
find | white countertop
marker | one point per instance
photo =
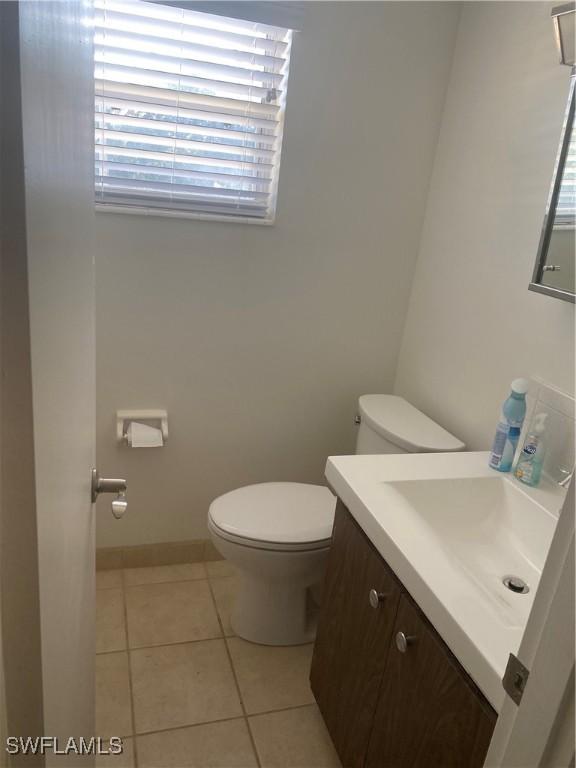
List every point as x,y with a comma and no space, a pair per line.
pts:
476,616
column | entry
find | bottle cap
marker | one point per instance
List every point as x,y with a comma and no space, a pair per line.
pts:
520,386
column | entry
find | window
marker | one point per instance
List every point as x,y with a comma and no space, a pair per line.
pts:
189,111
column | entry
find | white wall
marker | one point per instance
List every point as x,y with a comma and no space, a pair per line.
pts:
259,340
472,325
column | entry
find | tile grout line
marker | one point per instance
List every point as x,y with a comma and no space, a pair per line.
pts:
214,558
130,686
246,721
184,642
252,739
190,725
162,645
282,709
169,581
220,720
155,583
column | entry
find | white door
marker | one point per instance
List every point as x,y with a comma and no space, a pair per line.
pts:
57,112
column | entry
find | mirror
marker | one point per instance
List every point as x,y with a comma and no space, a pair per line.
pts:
554,269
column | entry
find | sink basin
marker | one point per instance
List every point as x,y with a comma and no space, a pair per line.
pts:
490,529
452,530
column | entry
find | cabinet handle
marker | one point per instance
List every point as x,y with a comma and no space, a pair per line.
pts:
375,598
403,641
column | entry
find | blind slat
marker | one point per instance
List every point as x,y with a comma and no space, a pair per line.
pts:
180,82
188,27
128,39
160,112
170,191
182,99
151,205
180,146
104,152
115,168
174,128
181,65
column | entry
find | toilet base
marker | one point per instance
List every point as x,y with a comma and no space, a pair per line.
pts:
278,594
272,613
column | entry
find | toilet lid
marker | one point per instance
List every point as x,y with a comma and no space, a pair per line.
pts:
286,513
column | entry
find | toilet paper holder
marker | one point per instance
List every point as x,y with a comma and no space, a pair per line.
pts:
147,415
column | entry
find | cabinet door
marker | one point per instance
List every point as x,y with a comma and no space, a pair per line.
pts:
353,638
429,715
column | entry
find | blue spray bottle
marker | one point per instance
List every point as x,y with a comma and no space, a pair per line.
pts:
509,427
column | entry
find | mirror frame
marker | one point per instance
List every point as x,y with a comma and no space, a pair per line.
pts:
549,216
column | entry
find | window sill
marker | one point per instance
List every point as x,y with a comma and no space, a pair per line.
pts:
134,211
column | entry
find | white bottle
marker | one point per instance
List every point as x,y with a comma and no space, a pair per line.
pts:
531,458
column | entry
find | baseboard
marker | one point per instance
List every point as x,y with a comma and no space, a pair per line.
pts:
145,555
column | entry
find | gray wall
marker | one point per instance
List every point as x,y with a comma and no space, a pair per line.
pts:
472,325
258,340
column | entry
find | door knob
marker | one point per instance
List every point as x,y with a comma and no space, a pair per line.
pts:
375,598
110,485
403,641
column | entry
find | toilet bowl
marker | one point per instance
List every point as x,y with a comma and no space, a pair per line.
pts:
278,534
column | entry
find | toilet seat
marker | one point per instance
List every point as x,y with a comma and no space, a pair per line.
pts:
275,516
273,546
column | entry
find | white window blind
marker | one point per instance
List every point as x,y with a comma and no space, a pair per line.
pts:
189,110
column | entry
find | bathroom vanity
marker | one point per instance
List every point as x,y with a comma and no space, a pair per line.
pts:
416,622
390,691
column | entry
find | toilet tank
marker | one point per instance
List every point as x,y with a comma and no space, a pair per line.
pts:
390,424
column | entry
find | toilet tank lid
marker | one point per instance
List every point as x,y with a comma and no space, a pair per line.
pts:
401,423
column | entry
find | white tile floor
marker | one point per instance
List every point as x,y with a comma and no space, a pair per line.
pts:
172,679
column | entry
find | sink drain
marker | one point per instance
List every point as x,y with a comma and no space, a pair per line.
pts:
516,584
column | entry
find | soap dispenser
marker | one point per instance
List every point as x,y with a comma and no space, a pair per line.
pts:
529,464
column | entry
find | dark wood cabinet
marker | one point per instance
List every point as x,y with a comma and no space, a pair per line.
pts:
429,714
389,705
353,638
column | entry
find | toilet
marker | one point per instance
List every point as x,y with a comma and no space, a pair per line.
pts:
278,534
